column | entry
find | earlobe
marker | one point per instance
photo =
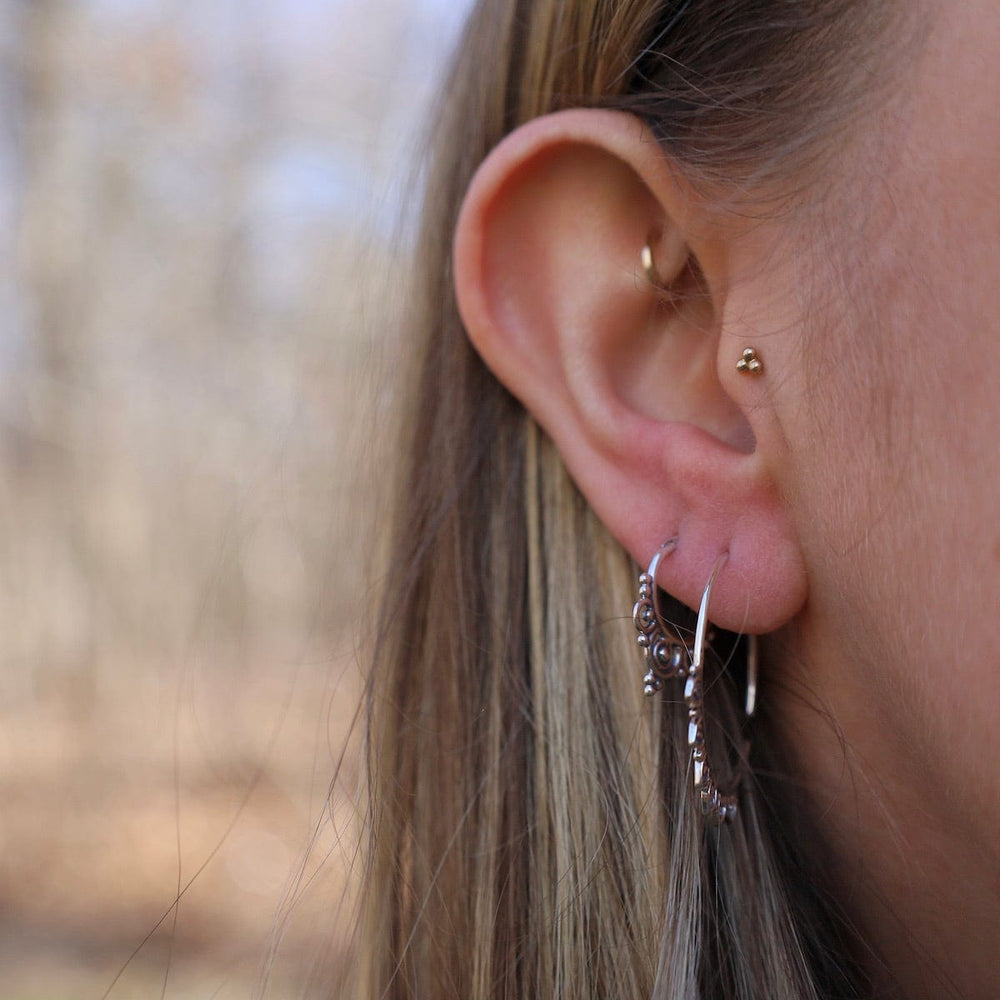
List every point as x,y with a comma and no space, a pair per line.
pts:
623,373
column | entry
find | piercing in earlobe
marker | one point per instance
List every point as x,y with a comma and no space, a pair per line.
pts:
668,658
649,268
750,363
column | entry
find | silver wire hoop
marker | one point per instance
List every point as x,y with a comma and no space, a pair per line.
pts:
666,655
716,805
668,658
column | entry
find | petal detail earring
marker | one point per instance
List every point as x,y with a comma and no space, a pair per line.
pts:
668,658
718,807
666,655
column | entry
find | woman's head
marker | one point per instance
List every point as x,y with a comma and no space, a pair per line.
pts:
733,124
730,143
785,162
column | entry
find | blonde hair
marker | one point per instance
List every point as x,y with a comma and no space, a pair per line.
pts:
531,831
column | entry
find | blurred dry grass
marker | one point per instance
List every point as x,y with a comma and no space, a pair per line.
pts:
194,198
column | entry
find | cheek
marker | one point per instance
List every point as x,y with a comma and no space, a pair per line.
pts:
899,486
901,382
930,333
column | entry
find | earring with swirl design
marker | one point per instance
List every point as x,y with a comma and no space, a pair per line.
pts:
667,658
666,655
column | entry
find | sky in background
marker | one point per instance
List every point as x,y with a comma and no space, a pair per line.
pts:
192,197
341,50
321,101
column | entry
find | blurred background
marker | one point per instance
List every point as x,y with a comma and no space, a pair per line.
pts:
198,199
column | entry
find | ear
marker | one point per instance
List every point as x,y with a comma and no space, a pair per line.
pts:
637,387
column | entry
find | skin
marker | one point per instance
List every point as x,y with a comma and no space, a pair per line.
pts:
854,483
892,466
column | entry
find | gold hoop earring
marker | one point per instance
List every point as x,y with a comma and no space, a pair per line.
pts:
649,269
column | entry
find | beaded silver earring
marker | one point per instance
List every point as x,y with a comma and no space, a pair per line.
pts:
666,655
668,658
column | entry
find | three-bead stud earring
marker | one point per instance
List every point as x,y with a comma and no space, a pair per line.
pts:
750,363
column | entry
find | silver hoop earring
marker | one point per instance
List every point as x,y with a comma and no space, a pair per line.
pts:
668,658
717,806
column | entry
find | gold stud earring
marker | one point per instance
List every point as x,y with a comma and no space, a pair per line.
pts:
749,363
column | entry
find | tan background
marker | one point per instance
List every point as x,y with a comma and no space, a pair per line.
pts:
197,199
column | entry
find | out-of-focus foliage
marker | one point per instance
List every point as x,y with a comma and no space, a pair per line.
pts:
194,197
